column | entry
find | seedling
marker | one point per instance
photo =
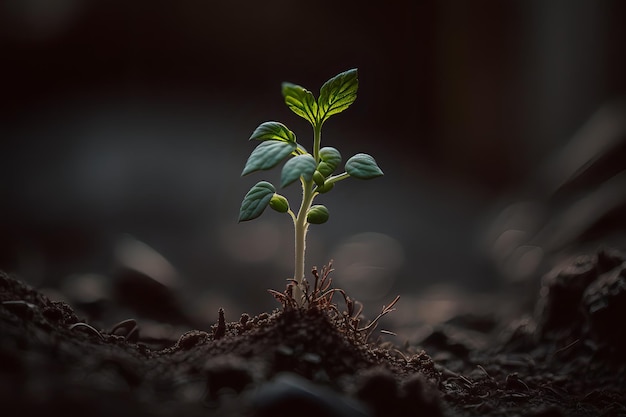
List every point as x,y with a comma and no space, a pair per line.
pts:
314,170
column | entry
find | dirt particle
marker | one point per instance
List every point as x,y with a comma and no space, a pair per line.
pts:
191,339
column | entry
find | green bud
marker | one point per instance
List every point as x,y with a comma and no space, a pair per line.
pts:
330,159
279,203
317,214
325,169
324,188
319,178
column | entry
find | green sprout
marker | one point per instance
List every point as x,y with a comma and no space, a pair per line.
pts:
315,170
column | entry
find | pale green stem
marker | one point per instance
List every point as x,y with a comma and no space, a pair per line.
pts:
301,225
293,216
336,178
317,139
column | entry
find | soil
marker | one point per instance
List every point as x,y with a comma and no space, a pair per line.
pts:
567,359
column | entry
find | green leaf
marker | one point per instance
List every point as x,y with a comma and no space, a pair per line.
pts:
267,155
301,165
256,200
337,94
363,166
330,160
273,131
300,101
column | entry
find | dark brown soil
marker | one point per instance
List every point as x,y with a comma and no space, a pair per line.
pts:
567,360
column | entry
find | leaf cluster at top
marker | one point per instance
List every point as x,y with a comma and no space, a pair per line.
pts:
336,95
315,169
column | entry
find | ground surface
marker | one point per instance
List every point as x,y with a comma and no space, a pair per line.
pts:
567,360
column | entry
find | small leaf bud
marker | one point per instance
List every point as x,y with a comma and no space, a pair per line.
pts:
279,203
324,188
319,178
317,214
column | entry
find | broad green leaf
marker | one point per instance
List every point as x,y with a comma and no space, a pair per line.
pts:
363,166
337,94
273,131
330,158
300,101
267,155
256,200
298,166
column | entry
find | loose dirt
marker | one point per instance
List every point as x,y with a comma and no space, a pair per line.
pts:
565,360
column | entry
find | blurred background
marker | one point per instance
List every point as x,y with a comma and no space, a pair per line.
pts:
500,126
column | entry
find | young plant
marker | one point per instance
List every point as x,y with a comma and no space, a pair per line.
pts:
314,170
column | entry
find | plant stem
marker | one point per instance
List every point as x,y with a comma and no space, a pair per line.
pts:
336,178
317,139
300,228
300,223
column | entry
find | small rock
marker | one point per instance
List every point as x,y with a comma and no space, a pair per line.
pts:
561,293
604,304
191,338
290,395
226,373
388,396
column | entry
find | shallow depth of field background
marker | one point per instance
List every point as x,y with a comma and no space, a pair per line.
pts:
124,130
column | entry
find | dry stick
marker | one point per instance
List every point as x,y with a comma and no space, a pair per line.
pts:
87,327
386,310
